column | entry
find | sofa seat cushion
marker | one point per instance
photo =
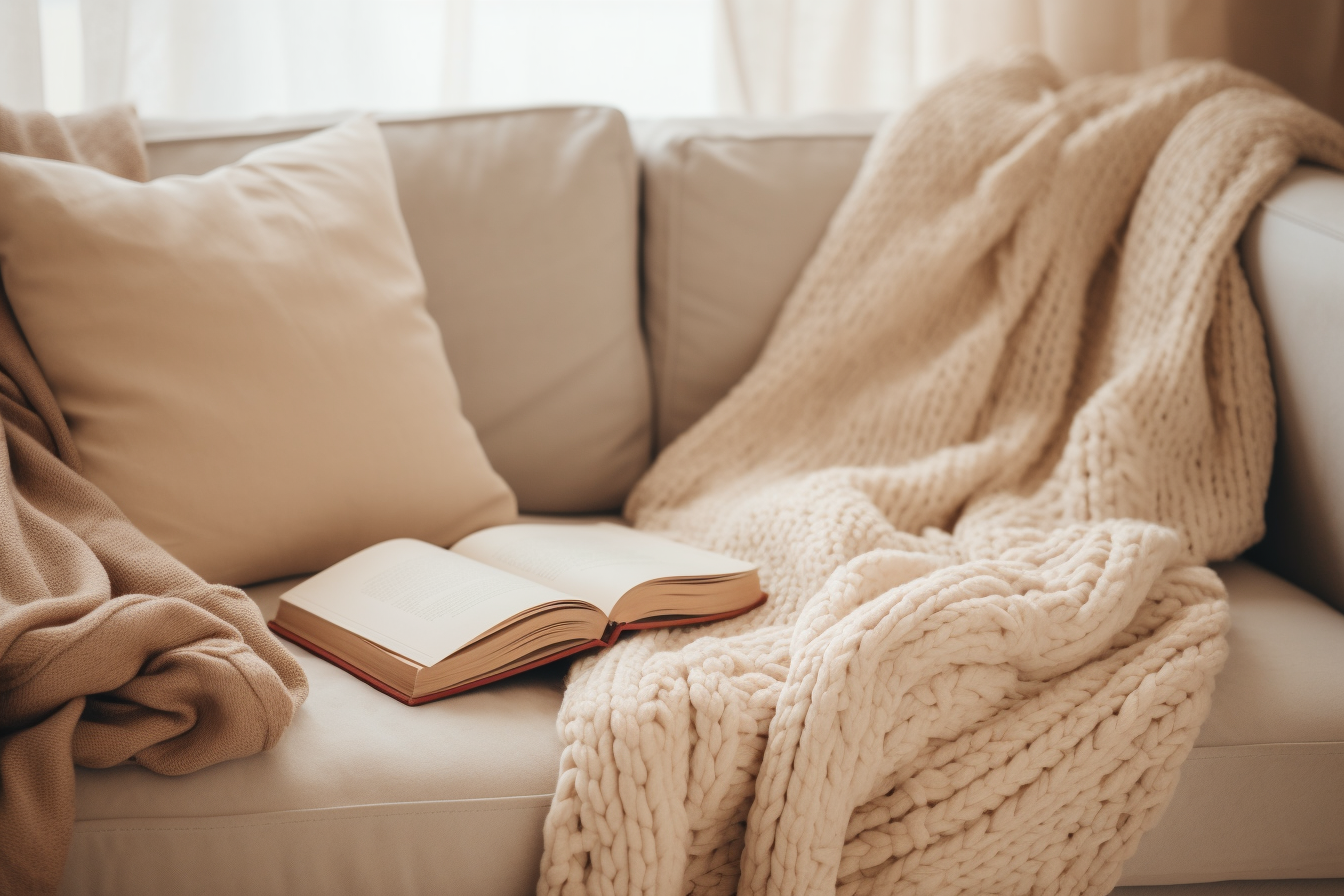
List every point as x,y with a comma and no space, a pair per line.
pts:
1262,794
365,796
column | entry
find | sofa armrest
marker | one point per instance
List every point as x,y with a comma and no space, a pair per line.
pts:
1293,251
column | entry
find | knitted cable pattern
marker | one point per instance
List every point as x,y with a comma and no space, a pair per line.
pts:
1017,400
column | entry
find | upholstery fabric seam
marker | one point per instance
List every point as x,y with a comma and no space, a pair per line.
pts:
1304,221
108,829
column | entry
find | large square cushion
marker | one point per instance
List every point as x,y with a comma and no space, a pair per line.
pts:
178,320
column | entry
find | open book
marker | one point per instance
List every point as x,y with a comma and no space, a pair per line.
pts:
420,622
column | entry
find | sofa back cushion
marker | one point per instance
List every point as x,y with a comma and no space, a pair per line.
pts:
732,211
525,226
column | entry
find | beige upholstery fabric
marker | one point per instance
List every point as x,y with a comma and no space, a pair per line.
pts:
525,226
1294,254
1262,794
732,210
363,796
244,358
366,796
1290,887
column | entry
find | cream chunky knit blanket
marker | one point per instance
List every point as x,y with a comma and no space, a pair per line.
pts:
1017,400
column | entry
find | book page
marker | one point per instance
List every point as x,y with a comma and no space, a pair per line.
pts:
597,562
416,599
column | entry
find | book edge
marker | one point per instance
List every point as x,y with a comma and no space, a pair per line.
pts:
615,631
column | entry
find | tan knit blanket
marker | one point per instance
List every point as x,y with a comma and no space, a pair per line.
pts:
110,650
1017,400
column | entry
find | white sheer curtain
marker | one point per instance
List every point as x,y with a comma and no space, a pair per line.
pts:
243,58
20,54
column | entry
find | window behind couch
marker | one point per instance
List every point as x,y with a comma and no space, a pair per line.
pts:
247,58
651,58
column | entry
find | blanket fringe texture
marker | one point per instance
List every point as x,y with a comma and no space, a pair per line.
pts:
111,650
1017,401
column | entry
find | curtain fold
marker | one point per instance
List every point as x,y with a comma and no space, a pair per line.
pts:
803,56
245,58
815,55
105,30
21,54
653,58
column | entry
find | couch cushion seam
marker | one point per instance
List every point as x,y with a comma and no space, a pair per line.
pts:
1324,748
1304,221
93,827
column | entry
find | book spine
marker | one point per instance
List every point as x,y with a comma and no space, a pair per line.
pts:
395,694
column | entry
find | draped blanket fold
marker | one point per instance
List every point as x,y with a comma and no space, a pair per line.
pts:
1017,400
110,649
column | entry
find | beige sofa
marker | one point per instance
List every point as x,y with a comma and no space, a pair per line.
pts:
598,291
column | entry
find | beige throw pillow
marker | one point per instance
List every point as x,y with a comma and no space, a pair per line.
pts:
244,357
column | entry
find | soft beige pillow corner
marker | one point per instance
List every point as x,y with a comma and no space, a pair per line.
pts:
244,357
